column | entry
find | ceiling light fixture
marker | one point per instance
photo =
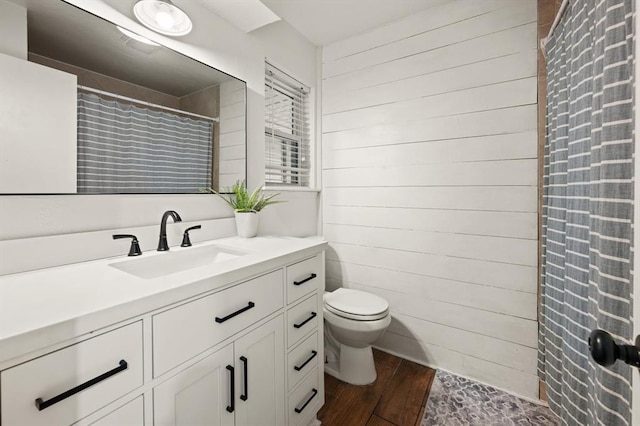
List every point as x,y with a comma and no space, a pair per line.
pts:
162,16
137,37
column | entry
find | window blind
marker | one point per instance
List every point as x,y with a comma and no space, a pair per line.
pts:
287,132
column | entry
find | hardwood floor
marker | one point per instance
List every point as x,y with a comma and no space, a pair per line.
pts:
397,397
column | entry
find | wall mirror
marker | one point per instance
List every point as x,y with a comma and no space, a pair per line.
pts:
99,110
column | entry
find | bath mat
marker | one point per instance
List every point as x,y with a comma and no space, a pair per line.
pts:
456,401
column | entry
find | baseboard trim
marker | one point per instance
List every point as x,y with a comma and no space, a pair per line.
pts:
417,361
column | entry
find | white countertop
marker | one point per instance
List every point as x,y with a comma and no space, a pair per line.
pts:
44,307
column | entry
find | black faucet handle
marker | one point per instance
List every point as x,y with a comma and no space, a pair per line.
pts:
134,250
186,241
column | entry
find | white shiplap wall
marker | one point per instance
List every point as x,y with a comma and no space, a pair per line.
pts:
430,184
233,158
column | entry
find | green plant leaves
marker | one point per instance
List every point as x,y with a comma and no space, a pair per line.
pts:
244,202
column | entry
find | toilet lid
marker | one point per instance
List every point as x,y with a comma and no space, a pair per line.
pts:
355,304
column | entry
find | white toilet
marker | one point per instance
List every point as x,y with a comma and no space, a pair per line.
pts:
353,321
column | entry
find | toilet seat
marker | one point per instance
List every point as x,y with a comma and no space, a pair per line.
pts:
356,305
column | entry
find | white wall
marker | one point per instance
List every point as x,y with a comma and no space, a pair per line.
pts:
221,45
41,105
13,30
430,184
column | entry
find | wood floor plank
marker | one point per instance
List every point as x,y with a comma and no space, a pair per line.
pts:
403,400
385,360
332,386
355,404
329,403
377,421
424,400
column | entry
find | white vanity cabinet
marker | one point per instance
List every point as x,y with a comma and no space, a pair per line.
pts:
245,352
131,414
305,339
259,375
65,386
197,396
241,384
189,329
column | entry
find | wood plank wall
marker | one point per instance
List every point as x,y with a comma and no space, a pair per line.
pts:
232,152
430,184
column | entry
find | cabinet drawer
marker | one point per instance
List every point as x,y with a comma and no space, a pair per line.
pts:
304,402
302,359
116,356
303,278
131,414
302,319
189,329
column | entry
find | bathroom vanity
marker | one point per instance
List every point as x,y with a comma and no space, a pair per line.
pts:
227,332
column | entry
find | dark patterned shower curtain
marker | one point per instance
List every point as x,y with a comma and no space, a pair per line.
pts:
588,210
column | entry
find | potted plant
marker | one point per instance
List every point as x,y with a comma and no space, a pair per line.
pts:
246,206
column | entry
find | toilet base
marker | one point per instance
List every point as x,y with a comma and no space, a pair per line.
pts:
354,366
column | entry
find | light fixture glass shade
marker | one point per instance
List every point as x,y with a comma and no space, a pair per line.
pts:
163,17
137,37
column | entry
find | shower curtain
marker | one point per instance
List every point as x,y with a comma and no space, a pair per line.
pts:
126,149
588,210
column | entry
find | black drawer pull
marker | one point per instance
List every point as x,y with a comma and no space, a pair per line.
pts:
245,395
309,278
238,312
232,390
313,355
64,395
313,315
315,392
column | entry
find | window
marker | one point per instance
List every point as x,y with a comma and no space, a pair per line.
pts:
287,140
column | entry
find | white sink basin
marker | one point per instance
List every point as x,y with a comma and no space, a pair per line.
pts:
172,262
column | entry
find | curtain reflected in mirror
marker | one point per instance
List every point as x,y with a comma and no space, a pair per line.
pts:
123,148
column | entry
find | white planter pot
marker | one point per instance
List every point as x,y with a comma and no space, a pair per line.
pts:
247,224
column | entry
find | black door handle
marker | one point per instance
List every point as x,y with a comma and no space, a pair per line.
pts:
232,389
312,316
238,312
244,396
41,405
605,351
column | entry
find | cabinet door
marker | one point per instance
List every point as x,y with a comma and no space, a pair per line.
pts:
199,395
260,378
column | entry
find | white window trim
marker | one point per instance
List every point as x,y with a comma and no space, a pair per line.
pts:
314,108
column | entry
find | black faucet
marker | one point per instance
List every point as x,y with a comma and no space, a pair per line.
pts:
162,243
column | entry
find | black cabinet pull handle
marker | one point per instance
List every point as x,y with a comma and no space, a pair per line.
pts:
315,392
238,312
245,395
64,395
309,278
232,389
313,355
313,315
